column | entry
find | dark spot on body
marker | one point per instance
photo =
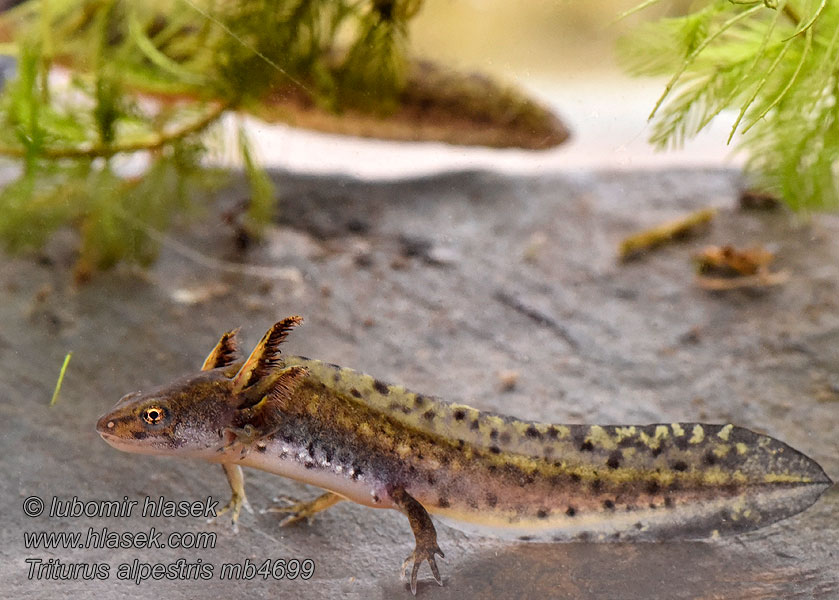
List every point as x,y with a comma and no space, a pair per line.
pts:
586,446
139,435
571,511
309,465
681,442
575,477
381,387
355,393
445,459
710,459
430,479
553,432
532,432
596,485
668,501
638,525
495,449
504,438
583,536
525,538
492,468
614,460
327,454
333,365
542,513
609,504
375,498
657,450
261,447
406,409
475,425
680,465
336,377
419,400
443,503
653,487
429,414
493,434
653,505
459,414
492,500
357,472
311,449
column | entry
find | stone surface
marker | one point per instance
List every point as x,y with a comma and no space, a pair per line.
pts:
446,284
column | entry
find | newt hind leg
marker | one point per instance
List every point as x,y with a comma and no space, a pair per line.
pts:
424,533
299,511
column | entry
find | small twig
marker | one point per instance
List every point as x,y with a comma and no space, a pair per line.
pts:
60,378
665,233
152,142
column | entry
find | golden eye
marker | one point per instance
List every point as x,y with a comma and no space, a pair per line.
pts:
153,415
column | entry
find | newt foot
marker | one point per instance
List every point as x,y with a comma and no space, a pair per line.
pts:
422,553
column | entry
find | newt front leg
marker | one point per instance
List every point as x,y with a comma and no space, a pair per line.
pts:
237,494
424,533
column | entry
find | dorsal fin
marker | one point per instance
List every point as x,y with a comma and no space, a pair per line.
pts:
264,417
264,357
225,353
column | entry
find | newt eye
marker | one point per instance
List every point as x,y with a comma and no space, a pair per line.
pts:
153,415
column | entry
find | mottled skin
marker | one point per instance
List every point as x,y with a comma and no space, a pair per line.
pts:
385,447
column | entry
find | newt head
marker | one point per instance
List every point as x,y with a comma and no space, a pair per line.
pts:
202,415
186,417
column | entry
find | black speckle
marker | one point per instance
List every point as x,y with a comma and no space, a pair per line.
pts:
571,511
355,393
504,438
532,432
653,487
638,525
334,366
495,449
429,414
596,485
443,503
445,459
309,465
430,478
681,442
381,387
614,460
492,469
420,456
357,472
553,432
575,477
542,513
492,500
336,377
710,459
475,425
583,536
139,435
459,414
375,498
327,454
406,409
657,450
460,444
261,447
311,449
653,505
419,400
493,434
586,446
608,504
525,538
668,502
680,466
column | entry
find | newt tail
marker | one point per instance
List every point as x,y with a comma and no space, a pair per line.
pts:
383,446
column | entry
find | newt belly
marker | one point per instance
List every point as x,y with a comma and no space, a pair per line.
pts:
383,446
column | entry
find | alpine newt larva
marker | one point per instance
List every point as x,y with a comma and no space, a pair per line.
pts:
385,447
